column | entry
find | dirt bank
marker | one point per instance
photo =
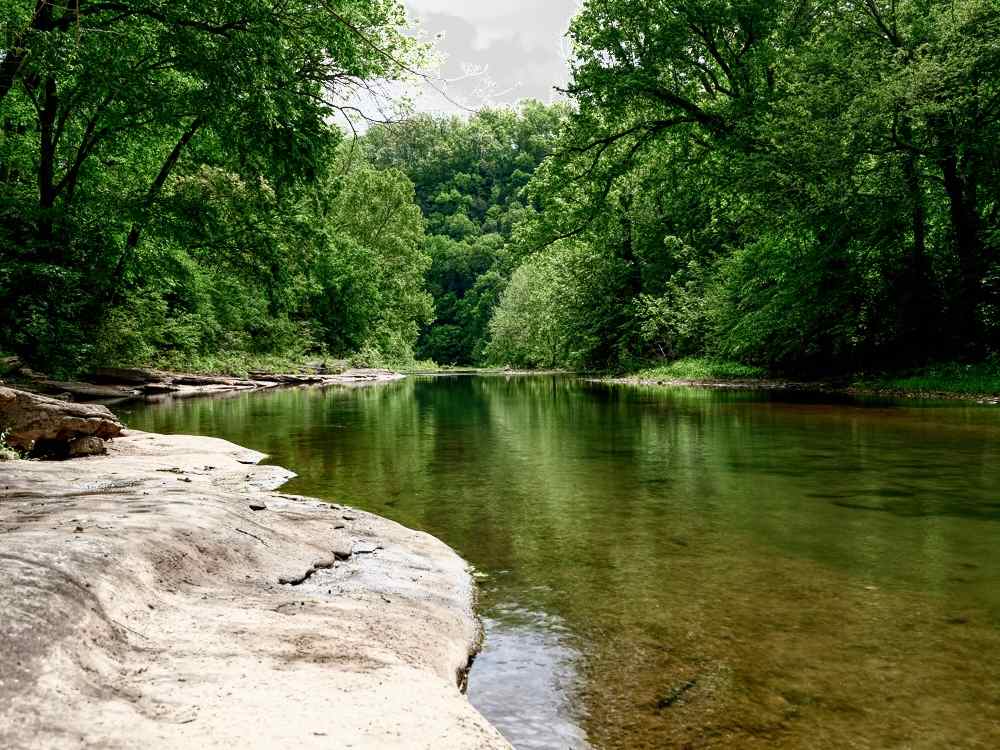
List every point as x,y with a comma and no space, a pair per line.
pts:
165,596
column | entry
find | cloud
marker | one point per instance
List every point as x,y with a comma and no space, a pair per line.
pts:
517,47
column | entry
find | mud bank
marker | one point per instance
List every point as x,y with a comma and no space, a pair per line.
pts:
166,596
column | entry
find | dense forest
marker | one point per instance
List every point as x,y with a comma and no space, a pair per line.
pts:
802,185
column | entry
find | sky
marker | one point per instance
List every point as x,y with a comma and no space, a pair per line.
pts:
495,52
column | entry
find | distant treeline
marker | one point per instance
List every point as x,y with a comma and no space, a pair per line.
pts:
797,185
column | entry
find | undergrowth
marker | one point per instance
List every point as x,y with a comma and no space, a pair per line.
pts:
700,368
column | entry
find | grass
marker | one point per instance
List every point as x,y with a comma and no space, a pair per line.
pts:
374,359
700,368
6,452
420,365
238,364
949,377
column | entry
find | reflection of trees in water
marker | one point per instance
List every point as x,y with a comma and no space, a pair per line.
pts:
799,562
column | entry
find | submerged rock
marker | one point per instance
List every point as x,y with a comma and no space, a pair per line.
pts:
158,389
286,379
202,380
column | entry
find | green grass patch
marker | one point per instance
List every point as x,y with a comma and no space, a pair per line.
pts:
981,378
6,452
417,366
237,364
700,368
371,358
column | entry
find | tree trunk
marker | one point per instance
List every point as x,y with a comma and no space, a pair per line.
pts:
46,162
969,248
161,178
14,58
9,70
135,233
916,295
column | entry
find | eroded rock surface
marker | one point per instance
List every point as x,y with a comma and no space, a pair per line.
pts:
29,418
87,446
142,609
130,375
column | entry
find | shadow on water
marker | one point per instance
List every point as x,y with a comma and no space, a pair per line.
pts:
679,567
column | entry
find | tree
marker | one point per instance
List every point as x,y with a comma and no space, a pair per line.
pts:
740,158
468,178
369,270
104,104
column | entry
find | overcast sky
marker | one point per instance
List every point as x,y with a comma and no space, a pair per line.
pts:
496,51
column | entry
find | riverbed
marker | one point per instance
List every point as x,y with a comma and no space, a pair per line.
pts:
671,567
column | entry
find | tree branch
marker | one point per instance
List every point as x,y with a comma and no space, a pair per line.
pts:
156,188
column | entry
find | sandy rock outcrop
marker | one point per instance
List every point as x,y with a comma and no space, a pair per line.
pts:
30,419
164,596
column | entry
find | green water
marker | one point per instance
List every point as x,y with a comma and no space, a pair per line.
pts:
680,568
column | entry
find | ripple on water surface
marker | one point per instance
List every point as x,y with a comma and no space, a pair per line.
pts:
525,679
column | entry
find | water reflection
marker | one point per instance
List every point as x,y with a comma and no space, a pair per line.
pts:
704,569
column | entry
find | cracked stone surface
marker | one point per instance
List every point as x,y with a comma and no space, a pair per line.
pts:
139,611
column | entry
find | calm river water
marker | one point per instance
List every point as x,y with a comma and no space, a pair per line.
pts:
669,568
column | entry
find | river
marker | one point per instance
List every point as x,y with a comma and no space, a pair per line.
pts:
678,567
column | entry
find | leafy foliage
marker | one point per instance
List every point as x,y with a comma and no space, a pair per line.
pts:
800,185
170,184
805,186
557,310
469,176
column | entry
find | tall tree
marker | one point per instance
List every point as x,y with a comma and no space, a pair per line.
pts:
102,104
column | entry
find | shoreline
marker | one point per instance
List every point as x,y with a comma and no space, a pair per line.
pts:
120,385
168,595
817,387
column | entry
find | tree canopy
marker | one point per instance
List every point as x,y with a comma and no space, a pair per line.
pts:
161,159
793,184
802,185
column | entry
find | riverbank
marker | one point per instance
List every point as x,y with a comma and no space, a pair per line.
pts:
115,384
950,381
165,595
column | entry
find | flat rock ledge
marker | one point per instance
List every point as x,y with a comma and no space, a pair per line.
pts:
143,607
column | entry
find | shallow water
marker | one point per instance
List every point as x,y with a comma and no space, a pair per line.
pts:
677,567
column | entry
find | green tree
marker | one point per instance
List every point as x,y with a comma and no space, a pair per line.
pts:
469,176
105,106
369,274
802,184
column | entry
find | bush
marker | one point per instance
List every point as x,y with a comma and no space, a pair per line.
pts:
787,301
6,452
